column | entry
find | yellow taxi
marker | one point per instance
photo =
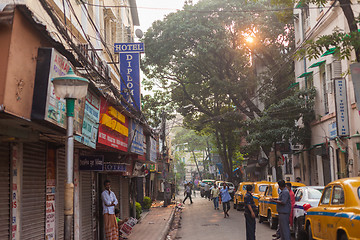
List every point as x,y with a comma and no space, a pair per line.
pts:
267,209
240,194
338,215
258,190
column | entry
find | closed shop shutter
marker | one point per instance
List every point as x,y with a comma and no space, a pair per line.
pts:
60,189
4,191
85,195
124,198
33,191
115,186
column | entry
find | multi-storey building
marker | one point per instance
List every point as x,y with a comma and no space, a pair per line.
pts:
333,152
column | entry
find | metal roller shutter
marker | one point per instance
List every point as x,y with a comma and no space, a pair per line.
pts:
115,186
4,191
60,189
86,226
124,198
33,191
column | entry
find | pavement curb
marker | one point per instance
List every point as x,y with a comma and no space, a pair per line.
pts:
166,230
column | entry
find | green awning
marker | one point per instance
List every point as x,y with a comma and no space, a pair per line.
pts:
305,74
293,85
328,52
317,64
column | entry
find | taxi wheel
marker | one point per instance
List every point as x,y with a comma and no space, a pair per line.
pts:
238,207
309,233
343,237
272,221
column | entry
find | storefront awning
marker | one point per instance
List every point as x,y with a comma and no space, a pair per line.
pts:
329,52
305,74
293,85
317,64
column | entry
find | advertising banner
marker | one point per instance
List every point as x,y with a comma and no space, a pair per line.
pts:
129,55
91,120
342,117
153,150
46,105
136,138
114,167
113,128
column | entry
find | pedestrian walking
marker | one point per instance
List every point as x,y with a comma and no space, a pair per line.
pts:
249,213
283,205
225,198
187,193
215,191
207,191
109,202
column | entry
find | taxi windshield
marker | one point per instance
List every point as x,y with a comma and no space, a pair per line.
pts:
314,194
262,188
244,187
359,192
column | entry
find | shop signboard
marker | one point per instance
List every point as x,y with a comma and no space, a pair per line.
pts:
151,149
129,55
136,138
114,167
46,105
342,118
332,130
91,120
113,128
91,163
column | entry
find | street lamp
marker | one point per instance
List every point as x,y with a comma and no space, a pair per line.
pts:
69,87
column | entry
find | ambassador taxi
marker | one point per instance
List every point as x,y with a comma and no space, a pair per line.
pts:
240,194
338,215
258,190
267,208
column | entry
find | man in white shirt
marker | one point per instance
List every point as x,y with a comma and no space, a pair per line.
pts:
109,202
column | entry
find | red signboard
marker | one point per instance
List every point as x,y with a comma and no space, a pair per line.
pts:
113,128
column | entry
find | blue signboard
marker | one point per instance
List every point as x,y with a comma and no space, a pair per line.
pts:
92,163
114,167
130,74
129,47
136,138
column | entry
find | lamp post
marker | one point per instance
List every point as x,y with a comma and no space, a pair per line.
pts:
69,87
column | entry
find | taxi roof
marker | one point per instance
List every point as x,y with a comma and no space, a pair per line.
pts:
354,181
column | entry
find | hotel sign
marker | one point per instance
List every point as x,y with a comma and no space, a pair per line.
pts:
342,117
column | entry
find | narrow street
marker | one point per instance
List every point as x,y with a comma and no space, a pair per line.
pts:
201,222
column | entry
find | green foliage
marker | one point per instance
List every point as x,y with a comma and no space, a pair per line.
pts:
138,210
147,203
289,120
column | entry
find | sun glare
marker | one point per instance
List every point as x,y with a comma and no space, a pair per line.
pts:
249,39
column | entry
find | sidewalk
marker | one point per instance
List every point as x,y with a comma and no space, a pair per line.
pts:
155,225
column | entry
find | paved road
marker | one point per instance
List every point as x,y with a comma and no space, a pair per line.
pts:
201,222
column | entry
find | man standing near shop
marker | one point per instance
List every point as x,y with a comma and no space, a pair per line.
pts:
283,208
109,202
215,191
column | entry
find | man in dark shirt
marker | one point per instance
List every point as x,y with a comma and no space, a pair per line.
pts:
283,208
249,214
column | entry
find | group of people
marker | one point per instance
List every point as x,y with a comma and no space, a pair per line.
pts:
284,204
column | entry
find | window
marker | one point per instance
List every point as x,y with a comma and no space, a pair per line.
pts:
269,191
299,195
338,196
326,196
262,188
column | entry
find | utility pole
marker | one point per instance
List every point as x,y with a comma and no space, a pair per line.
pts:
167,190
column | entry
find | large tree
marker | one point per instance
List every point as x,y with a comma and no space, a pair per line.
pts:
200,56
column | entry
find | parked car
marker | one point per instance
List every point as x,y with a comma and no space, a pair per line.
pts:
231,186
240,194
337,217
267,209
305,198
210,182
259,190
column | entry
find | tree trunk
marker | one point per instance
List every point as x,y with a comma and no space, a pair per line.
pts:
197,165
349,15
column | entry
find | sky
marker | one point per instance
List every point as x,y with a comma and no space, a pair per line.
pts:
152,10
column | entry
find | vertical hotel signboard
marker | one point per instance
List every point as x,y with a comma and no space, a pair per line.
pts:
136,138
342,117
129,55
113,128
